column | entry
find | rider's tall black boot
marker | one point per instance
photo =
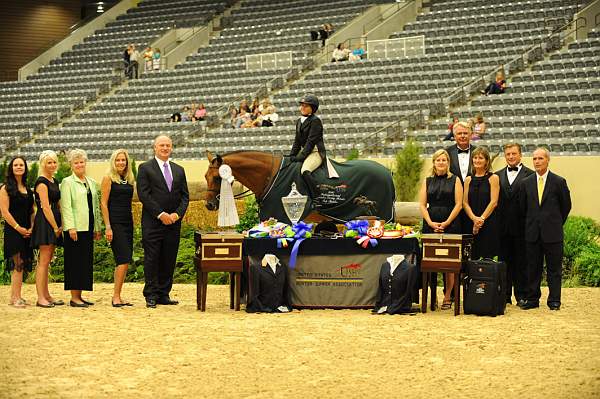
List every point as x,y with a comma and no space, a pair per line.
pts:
311,184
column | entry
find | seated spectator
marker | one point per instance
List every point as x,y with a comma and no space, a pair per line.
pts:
449,134
496,87
243,104
255,110
156,59
200,113
233,113
340,53
243,118
148,54
176,117
255,105
186,114
357,54
269,117
479,128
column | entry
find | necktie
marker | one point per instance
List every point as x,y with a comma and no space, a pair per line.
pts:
462,151
168,177
513,168
540,188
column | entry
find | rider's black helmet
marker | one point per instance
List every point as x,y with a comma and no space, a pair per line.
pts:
311,100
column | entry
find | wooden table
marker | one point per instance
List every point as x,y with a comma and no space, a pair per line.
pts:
218,252
443,253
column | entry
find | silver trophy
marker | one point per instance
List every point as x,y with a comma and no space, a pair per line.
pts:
294,204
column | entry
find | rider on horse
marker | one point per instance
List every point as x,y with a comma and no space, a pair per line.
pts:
309,138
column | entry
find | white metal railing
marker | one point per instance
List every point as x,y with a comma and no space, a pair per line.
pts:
278,60
396,48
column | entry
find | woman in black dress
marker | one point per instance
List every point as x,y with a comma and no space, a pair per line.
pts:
480,200
117,191
440,200
80,206
47,225
16,206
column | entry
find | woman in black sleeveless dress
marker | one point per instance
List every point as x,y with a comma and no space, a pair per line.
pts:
47,225
440,200
117,192
16,206
480,201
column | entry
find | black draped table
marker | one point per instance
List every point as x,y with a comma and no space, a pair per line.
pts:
332,273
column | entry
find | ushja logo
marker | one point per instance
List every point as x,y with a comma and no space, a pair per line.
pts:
351,270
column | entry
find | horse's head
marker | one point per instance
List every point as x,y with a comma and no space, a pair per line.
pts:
213,181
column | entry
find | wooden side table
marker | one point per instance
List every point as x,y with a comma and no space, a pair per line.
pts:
218,252
444,253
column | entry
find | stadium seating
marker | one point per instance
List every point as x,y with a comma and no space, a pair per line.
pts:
90,69
215,76
554,102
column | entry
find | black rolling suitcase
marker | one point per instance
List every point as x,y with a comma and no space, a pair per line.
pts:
485,287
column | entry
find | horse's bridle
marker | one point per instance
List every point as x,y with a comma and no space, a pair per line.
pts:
243,194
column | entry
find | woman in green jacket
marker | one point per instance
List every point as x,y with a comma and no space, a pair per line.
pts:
80,206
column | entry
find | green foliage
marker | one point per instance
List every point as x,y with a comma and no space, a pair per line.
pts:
134,168
32,174
407,171
249,218
581,262
587,266
185,271
64,168
354,154
3,168
104,263
580,232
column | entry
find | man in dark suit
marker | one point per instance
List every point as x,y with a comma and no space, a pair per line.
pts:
512,227
163,192
461,156
546,202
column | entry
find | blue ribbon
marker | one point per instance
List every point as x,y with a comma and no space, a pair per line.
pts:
360,226
300,230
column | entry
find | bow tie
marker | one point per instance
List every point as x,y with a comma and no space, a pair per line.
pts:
463,151
513,168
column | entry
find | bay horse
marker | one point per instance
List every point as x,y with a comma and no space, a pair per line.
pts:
269,177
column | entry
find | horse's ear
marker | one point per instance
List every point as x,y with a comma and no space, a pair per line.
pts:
219,160
210,156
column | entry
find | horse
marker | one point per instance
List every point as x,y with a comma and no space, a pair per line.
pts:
364,187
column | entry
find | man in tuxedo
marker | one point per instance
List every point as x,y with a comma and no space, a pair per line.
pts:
163,192
461,155
546,202
512,227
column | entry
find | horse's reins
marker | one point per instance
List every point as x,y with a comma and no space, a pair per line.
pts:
248,192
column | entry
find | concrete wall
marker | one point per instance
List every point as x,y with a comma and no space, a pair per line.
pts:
76,37
194,39
589,13
581,173
396,18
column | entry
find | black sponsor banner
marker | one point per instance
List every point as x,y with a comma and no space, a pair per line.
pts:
333,273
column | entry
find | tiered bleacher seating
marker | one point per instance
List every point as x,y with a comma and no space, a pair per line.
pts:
89,69
216,76
556,103
461,43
